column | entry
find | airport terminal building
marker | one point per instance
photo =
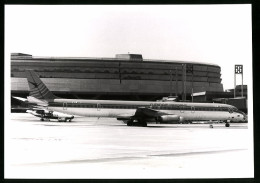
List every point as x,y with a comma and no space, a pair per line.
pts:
127,76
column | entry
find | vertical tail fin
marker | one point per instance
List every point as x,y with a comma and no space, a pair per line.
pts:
37,88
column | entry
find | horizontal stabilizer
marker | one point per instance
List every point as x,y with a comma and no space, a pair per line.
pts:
37,101
20,98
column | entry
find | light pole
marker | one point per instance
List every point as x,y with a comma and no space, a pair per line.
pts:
238,70
190,70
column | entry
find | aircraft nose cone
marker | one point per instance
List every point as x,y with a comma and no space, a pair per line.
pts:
245,118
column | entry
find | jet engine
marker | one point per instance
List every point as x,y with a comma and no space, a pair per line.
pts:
170,118
181,119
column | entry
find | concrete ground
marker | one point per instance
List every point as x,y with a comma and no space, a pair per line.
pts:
107,148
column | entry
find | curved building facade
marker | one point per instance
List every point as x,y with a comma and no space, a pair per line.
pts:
126,75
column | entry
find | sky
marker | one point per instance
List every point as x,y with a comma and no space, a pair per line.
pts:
218,34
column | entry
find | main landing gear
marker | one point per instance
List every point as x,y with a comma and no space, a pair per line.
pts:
45,119
139,122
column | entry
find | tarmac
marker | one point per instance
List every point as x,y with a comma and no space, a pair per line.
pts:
92,148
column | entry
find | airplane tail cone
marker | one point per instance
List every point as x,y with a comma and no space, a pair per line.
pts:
37,88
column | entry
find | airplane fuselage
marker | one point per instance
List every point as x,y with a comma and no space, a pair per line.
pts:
114,109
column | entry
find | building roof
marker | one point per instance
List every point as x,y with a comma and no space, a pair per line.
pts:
123,57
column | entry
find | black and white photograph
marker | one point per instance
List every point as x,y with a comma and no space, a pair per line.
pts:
128,91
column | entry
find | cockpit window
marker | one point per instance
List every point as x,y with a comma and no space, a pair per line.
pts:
230,110
241,112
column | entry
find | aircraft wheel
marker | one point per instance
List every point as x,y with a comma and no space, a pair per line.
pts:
227,125
144,124
42,119
130,123
211,126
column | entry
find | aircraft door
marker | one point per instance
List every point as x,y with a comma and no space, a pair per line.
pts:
192,109
182,109
65,105
98,107
159,106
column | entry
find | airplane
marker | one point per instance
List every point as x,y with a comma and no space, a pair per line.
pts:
133,113
46,114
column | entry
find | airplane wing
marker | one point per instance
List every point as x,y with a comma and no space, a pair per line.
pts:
143,112
143,115
20,98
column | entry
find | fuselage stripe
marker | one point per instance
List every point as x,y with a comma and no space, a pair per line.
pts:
127,106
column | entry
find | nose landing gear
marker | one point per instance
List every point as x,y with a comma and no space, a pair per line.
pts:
130,123
227,124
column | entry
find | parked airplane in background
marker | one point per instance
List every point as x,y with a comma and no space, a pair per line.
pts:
47,115
132,112
42,113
